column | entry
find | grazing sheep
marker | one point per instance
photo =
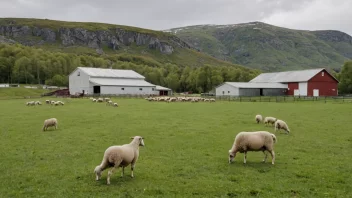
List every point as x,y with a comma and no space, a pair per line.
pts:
258,118
269,120
38,103
47,101
253,141
280,124
115,104
52,122
94,100
120,156
100,100
109,103
31,103
52,102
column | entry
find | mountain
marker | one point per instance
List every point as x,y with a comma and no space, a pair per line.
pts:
100,38
46,51
267,47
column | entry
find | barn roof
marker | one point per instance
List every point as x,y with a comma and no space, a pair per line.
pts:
160,88
121,82
288,76
256,85
112,73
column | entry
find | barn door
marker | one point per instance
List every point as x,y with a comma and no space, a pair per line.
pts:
315,92
296,92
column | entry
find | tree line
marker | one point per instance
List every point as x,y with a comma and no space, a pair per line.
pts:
28,65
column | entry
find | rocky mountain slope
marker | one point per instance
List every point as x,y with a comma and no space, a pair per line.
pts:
268,47
93,38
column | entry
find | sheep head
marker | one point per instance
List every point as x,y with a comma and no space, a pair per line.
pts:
231,156
140,139
97,172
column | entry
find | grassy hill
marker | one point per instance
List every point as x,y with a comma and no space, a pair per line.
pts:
99,38
268,47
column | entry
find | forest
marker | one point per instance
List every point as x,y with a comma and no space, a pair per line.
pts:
28,65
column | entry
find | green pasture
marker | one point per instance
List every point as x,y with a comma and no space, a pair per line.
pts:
186,152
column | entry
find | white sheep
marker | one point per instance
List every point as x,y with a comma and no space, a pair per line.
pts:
100,100
38,103
280,124
94,100
109,103
115,104
253,141
47,101
269,120
258,118
120,156
52,122
31,103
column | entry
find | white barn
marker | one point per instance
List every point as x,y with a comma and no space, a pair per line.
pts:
109,82
250,89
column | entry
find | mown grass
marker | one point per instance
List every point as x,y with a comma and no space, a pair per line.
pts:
186,150
21,92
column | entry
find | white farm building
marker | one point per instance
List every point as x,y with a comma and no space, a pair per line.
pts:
103,81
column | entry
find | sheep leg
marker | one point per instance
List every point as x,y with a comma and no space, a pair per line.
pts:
265,156
111,171
272,157
132,168
123,171
245,157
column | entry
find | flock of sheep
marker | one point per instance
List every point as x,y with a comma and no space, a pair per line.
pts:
107,100
180,99
51,102
126,154
258,140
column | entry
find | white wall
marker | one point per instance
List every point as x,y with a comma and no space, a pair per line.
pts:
224,90
79,83
127,90
303,88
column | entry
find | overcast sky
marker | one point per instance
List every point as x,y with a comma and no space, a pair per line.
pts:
165,14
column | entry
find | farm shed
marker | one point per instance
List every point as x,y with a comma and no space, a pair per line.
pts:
311,82
250,89
104,81
162,91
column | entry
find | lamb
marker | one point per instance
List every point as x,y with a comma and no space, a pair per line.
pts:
258,118
280,124
269,120
52,122
120,156
253,141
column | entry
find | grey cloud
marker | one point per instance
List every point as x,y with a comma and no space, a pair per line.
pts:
165,14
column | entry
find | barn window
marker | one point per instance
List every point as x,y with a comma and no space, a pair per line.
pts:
153,89
122,88
79,73
322,73
140,89
228,91
223,92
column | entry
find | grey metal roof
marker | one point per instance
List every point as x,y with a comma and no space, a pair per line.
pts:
160,88
288,76
121,82
257,85
114,73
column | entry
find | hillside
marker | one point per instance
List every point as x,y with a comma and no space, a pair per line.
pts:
268,47
100,38
46,51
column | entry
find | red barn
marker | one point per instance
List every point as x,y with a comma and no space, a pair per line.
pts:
311,82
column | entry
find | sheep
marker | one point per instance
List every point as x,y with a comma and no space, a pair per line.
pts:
109,103
253,141
52,102
60,102
47,101
280,124
31,103
269,120
100,100
115,104
94,100
120,156
38,103
258,118
52,122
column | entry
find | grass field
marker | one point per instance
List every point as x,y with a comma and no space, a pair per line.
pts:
186,152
